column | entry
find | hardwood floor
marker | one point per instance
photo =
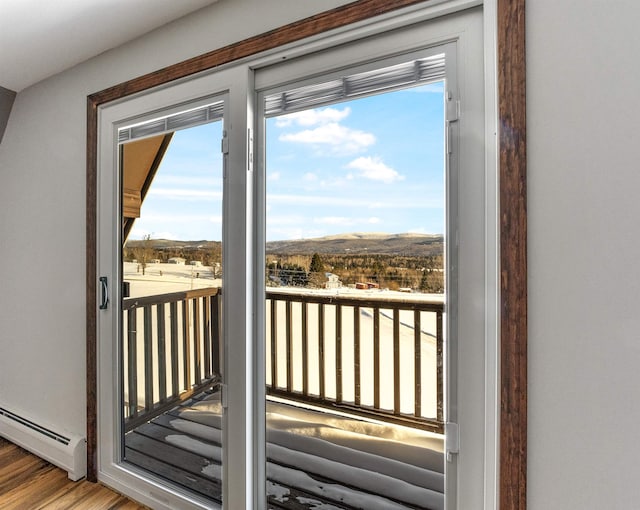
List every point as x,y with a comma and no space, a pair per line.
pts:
30,483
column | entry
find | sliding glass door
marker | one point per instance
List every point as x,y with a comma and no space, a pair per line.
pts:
355,274
291,260
172,273
173,333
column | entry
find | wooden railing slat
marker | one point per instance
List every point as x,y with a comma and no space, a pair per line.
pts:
338,353
186,344
376,358
356,354
148,359
206,363
162,354
289,346
321,364
305,349
132,355
440,368
417,356
396,361
197,342
274,344
216,332
173,324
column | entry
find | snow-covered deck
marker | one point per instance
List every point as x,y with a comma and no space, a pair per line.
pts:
315,460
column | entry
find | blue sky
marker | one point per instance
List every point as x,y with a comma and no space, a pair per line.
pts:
367,165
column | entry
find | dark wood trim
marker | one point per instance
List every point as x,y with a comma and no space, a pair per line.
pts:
91,298
296,31
513,254
512,149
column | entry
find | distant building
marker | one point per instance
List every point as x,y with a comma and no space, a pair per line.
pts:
333,281
196,263
177,260
155,261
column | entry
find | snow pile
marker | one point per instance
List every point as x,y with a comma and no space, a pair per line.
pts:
374,466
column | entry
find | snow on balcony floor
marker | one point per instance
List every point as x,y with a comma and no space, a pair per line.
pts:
316,460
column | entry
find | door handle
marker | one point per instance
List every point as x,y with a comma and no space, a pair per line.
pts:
104,293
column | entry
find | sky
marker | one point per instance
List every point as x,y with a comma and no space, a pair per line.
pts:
374,164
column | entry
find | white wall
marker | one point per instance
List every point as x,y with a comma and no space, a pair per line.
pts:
583,80
42,204
584,277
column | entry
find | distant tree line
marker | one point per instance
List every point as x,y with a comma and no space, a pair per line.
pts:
145,251
419,273
422,273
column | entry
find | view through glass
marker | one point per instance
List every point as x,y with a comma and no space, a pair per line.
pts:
355,282
172,272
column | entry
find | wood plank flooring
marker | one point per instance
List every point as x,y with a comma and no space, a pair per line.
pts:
30,483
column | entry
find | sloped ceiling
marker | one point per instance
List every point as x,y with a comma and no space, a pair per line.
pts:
41,38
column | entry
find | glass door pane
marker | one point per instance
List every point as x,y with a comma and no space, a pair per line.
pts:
355,296
172,268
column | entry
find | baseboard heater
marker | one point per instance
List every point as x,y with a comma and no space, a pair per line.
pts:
67,451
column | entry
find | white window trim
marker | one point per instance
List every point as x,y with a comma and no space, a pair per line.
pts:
491,233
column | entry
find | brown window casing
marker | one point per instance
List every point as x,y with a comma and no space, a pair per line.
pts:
510,60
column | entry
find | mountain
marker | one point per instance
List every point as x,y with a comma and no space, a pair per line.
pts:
363,243
354,244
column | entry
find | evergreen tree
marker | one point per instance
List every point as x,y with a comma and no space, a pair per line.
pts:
316,271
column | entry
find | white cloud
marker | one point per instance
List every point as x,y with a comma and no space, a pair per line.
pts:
286,220
293,233
351,201
274,176
375,169
335,220
310,176
341,140
345,221
313,117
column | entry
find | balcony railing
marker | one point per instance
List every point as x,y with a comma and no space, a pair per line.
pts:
370,356
171,349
